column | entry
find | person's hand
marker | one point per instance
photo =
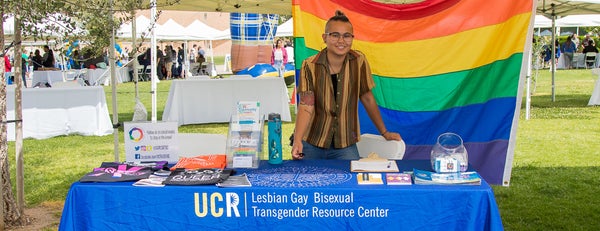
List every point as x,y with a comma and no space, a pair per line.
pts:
297,153
392,136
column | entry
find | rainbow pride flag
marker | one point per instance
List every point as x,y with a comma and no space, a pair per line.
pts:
439,66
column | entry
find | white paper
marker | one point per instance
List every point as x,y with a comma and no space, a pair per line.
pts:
373,166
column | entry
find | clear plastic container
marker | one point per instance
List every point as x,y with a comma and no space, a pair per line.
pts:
449,154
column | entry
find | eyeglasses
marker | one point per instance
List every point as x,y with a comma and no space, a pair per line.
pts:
336,36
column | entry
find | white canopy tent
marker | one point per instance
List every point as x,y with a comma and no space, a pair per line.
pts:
579,20
199,31
171,30
286,29
142,27
542,21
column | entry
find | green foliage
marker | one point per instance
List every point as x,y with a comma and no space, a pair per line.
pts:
554,184
67,20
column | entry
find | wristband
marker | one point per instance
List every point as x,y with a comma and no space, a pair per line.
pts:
383,134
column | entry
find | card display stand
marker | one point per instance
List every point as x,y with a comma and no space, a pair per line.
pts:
245,138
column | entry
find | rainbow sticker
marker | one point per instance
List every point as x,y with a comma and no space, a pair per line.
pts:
136,134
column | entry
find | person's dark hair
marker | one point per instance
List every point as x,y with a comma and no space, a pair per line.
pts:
338,17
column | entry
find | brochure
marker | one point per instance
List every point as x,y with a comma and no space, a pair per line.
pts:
235,181
398,179
458,178
369,178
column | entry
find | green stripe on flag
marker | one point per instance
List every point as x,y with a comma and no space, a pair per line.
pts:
440,92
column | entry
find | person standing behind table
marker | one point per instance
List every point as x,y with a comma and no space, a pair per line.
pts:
201,51
181,61
173,55
279,57
37,60
575,39
7,69
48,58
24,69
168,61
568,49
587,40
160,62
330,85
30,65
193,54
144,59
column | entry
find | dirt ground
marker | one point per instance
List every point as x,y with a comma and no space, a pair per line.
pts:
42,217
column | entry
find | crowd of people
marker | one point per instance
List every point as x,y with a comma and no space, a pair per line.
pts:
569,48
30,62
170,61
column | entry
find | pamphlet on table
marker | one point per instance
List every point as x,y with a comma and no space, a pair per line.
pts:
398,178
369,178
458,178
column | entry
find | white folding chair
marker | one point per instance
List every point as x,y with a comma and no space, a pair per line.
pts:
195,144
388,149
590,59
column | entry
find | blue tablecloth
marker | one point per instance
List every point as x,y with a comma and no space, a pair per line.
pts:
296,195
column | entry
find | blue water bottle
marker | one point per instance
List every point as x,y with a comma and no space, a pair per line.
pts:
275,139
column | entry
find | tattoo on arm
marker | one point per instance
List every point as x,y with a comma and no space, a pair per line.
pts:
307,98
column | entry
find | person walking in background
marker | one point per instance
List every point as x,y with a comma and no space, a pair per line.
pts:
279,57
568,48
330,85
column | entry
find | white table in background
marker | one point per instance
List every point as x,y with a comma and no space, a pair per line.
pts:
52,76
578,61
197,101
49,112
94,76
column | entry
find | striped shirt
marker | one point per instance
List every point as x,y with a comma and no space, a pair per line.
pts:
335,119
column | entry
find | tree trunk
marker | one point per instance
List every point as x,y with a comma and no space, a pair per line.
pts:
19,72
11,214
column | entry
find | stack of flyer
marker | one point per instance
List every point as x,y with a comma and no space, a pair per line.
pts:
244,142
456,178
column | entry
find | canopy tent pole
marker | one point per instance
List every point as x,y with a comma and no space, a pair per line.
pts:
553,64
528,97
213,68
135,63
154,64
113,82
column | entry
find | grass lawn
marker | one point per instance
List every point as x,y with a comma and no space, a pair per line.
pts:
555,176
